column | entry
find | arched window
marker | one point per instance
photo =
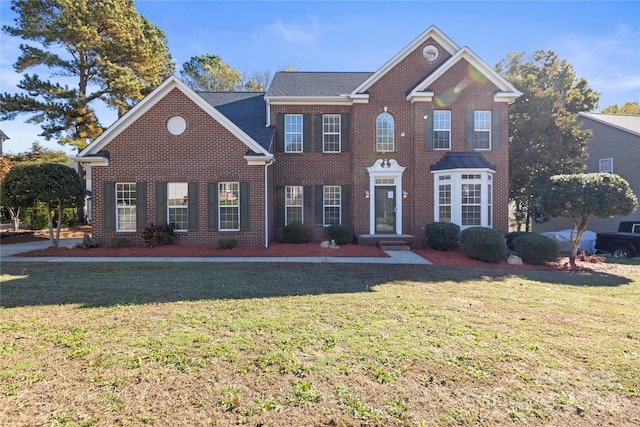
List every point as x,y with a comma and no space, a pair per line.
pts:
384,132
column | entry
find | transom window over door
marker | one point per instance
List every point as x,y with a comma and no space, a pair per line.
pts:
385,133
331,133
126,206
293,133
442,130
178,205
482,130
229,206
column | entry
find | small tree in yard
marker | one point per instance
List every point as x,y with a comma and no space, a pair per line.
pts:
580,196
53,184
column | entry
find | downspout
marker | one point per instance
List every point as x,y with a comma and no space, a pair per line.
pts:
266,204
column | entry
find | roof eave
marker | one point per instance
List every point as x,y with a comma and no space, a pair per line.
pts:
92,160
310,100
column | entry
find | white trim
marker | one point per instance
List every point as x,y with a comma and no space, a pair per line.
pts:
456,195
432,32
383,168
508,92
151,100
93,161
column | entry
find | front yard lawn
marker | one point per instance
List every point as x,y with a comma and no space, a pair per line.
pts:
317,344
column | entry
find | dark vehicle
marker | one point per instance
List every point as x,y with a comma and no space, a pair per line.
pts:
623,244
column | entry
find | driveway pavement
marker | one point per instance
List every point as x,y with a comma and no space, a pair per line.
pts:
7,254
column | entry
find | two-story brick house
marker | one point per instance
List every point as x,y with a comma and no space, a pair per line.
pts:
423,138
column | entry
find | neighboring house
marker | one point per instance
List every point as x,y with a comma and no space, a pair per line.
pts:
3,138
615,148
422,139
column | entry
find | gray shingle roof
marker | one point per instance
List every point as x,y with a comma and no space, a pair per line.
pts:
630,123
247,110
462,161
296,83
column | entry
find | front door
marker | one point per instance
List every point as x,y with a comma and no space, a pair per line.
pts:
385,202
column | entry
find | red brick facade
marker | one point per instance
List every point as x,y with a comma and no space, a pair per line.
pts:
142,150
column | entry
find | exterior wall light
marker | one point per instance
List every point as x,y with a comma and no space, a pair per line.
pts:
405,195
366,194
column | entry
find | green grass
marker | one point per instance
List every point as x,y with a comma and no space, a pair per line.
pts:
317,344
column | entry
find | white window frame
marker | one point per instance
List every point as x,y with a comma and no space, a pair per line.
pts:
331,200
178,205
481,126
442,123
293,133
471,197
294,200
229,193
126,199
444,197
331,133
461,180
602,165
385,133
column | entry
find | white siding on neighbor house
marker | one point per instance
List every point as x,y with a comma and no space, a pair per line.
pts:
624,148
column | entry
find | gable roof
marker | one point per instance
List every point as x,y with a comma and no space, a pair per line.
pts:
507,91
152,99
247,110
432,32
627,123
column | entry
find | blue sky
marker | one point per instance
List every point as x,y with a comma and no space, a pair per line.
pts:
601,40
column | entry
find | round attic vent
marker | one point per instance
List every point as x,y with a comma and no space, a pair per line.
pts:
176,125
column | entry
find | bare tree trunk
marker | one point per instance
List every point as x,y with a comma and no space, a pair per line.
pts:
15,217
59,223
50,224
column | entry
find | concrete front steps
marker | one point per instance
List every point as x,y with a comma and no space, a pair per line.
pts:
390,242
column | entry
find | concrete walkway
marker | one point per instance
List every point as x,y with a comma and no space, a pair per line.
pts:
7,254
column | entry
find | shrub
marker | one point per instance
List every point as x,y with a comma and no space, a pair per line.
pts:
159,235
119,242
227,243
535,248
298,233
36,218
442,236
513,236
483,244
342,234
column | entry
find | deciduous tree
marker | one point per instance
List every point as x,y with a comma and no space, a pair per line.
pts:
629,108
105,47
209,73
581,196
544,136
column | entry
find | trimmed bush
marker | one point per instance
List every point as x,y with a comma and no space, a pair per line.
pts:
513,236
483,244
442,236
536,248
342,234
227,243
298,233
119,242
159,235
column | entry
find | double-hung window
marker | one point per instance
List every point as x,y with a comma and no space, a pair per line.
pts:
605,165
229,206
293,133
464,198
471,200
331,205
293,204
126,206
482,130
444,198
385,133
331,133
178,205
442,130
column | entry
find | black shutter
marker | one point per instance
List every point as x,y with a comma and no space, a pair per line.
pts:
319,205
109,204
319,142
279,132
428,129
161,202
192,203
280,206
141,205
469,128
306,133
212,206
496,129
306,205
345,201
344,132
244,206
